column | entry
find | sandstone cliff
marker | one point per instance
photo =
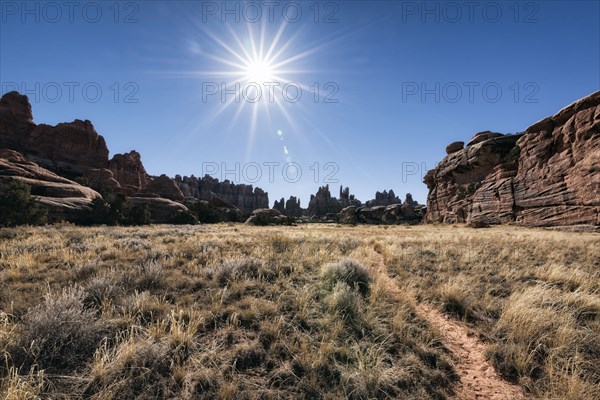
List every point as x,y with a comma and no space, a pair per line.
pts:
244,197
547,176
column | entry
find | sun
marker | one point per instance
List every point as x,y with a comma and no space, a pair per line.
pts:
259,71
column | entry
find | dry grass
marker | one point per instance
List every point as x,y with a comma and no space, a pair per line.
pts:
232,311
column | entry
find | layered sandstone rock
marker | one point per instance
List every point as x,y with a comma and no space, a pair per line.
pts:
75,149
548,176
128,170
64,199
245,197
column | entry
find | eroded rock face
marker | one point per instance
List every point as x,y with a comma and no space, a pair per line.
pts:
289,208
245,197
128,170
63,198
72,147
162,186
16,121
322,203
548,176
75,149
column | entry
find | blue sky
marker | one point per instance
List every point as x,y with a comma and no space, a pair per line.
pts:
406,78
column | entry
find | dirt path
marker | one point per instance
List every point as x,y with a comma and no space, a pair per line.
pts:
478,379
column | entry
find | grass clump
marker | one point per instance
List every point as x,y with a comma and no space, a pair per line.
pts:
58,335
347,271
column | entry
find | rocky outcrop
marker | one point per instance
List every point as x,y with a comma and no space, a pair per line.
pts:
76,150
266,216
323,204
64,199
162,186
128,170
289,208
244,197
384,198
399,213
72,147
547,176
16,121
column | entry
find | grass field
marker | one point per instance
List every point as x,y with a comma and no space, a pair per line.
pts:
310,311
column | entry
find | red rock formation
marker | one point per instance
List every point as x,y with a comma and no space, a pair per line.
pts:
72,147
76,149
63,198
162,186
548,176
245,197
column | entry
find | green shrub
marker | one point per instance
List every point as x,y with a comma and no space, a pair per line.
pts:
18,207
184,218
139,214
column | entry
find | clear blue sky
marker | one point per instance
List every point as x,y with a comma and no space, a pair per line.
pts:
377,56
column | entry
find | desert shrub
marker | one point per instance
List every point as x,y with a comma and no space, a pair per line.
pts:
456,301
102,290
18,207
150,275
184,218
145,308
138,214
347,244
348,271
58,335
236,269
109,211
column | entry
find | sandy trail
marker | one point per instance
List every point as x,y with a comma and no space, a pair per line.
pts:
478,379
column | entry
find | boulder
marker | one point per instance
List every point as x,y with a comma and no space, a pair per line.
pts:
162,211
266,216
348,215
371,215
454,147
480,137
